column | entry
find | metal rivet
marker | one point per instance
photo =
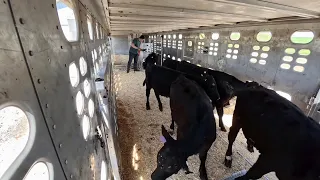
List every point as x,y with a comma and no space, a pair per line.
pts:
65,65
57,27
21,21
47,105
66,161
39,81
30,53
60,145
71,176
54,126
49,60
61,47
52,5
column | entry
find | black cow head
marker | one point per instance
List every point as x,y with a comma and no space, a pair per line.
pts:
170,159
150,59
212,89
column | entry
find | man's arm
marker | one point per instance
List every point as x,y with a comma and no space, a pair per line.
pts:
134,46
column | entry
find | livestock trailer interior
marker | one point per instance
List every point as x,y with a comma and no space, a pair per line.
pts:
68,109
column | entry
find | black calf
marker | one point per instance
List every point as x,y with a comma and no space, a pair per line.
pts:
289,142
191,109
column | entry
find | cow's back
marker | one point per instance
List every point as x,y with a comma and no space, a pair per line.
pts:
272,122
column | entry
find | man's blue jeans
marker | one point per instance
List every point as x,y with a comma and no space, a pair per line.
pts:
135,57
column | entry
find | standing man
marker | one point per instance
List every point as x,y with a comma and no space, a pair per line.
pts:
134,52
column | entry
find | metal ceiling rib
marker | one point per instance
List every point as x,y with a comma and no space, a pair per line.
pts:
145,16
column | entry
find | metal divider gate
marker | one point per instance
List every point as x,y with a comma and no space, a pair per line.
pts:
37,61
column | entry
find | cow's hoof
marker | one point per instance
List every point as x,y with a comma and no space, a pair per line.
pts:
250,149
223,129
227,163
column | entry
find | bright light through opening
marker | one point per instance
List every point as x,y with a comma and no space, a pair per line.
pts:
79,103
285,95
85,127
103,171
91,108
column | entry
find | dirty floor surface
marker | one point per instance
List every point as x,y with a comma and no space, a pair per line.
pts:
140,132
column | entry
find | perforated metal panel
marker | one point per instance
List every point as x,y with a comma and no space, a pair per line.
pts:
40,85
233,56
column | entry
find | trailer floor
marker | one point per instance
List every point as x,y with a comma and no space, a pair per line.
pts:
140,131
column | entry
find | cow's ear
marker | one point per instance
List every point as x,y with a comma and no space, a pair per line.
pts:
166,135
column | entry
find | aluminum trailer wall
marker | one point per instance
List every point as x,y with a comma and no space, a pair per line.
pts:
277,63
36,59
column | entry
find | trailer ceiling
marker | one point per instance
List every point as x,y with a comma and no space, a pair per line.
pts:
147,16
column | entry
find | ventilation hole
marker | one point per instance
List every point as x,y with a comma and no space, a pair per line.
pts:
254,54
38,171
211,48
173,58
228,56
210,53
216,44
287,58
215,54
180,36
304,52
189,43
86,88
202,43
199,47
215,36
285,66
67,20
264,55
169,56
266,48
202,36
85,127
79,103
91,108
97,30
215,49
229,51
301,60
230,45
83,66
235,51
236,46
256,48
14,134
234,36
174,36
211,44
90,29
199,65
104,172
165,37
262,62
179,59
284,94
298,68
264,36
302,37
164,55
234,57
199,43
253,60
74,74
290,51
